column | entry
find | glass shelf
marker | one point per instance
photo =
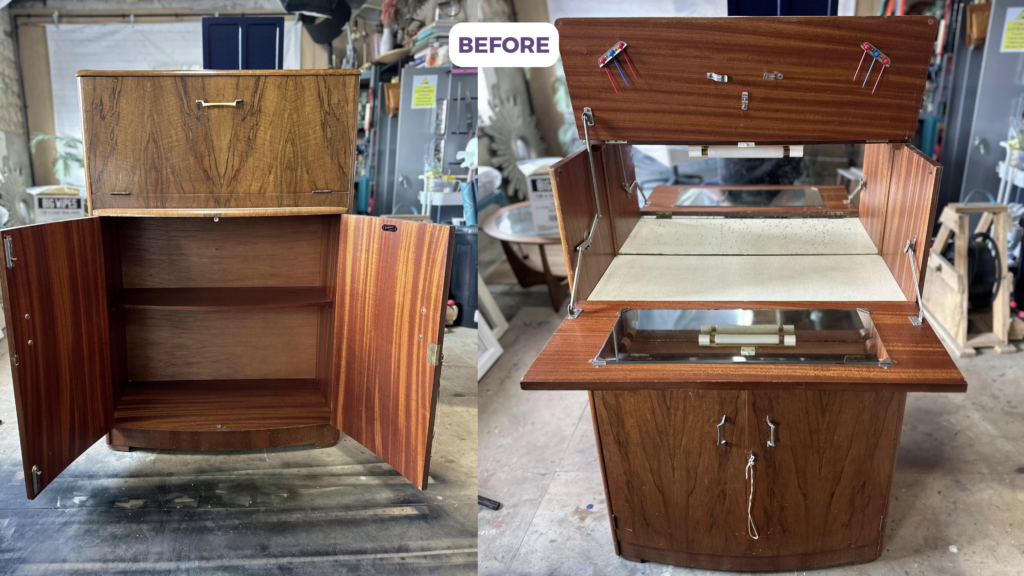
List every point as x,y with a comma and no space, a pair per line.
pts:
749,197
742,336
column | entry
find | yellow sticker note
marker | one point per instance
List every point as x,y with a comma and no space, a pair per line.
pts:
424,91
1013,31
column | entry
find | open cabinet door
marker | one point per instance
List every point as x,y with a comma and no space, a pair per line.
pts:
55,304
389,327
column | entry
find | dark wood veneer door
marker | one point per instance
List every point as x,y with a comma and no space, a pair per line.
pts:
825,484
389,312
671,485
55,304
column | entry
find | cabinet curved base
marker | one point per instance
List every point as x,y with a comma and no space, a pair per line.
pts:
322,435
859,555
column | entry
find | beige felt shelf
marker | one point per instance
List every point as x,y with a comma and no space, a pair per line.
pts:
749,236
790,278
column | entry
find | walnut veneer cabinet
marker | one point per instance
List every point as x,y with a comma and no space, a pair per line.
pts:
747,350
219,297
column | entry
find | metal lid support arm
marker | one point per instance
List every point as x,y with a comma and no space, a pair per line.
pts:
588,237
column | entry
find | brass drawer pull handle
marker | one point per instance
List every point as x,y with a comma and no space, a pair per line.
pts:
771,439
205,104
721,440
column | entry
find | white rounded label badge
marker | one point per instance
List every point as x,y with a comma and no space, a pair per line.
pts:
503,44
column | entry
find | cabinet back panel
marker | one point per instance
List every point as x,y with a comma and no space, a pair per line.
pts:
201,253
221,345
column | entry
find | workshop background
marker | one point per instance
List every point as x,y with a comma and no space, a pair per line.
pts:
956,500
289,510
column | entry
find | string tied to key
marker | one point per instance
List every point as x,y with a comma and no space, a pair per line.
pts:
749,475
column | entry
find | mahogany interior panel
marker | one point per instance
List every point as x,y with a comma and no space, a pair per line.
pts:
574,202
149,145
393,280
673,100
922,363
247,298
55,306
212,405
231,252
875,197
330,239
619,173
662,201
218,344
909,214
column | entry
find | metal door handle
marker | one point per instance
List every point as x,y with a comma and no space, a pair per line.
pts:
205,104
721,440
771,438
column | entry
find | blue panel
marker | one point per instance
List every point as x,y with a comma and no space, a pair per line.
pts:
247,43
220,46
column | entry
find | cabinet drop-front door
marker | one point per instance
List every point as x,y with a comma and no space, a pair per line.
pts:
675,469
825,483
55,304
389,327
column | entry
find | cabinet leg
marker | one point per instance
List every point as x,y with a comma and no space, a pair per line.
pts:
329,438
117,447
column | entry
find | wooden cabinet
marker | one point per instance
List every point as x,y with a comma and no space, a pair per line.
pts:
220,298
766,441
213,139
676,464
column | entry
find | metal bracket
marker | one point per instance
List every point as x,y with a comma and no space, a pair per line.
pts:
433,354
322,191
36,474
718,77
743,101
909,251
587,118
7,252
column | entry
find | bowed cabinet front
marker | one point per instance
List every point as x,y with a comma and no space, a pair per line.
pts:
225,333
679,474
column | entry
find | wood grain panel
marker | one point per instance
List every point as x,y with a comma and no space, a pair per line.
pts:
392,287
235,252
219,414
875,197
673,100
663,198
219,212
619,173
221,345
922,363
330,238
750,563
149,145
55,306
909,213
574,203
669,482
825,484
251,298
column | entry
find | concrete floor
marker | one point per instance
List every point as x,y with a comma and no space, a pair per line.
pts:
289,511
958,494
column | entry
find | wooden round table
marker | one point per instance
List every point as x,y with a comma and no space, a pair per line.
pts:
539,259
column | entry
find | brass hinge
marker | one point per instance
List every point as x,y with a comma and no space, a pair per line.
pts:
7,252
433,354
662,215
36,473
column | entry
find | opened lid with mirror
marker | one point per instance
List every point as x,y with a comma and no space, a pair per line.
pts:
732,336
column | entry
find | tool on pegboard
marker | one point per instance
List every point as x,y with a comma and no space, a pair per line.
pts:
609,57
876,56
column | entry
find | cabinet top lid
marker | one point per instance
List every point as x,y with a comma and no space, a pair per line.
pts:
85,73
774,80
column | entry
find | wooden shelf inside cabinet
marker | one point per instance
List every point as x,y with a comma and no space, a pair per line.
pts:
243,298
221,405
